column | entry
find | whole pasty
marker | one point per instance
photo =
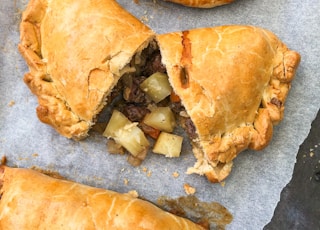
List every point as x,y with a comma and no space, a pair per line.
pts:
233,82
76,52
31,200
201,3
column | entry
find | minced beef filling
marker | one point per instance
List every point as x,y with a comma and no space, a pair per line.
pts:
190,129
134,113
154,64
134,103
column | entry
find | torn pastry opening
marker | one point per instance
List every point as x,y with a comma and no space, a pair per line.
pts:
144,112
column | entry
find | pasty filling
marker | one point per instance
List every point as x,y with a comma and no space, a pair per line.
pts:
145,111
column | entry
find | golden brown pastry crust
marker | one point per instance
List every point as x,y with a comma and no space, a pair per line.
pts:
201,3
31,200
75,52
233,82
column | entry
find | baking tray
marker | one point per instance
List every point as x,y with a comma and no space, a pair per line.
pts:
251,193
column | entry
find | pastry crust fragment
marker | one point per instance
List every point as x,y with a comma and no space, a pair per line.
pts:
31,200
201,3
76,52
233,82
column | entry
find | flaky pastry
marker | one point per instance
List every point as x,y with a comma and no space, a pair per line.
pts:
31,200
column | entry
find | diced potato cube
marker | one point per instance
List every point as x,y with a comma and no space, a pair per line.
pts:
116,122
133,139
168,144
157,86
127,134
161,118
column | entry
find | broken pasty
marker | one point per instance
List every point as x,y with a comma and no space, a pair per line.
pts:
201,3
76,52
31,200
233,82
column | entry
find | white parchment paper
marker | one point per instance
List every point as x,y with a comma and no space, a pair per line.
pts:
253,189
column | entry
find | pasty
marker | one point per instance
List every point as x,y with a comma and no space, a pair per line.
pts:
31,200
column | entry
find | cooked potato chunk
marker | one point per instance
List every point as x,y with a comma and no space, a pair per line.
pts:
127,134
161,118
168,144
157,86
116,122
133,139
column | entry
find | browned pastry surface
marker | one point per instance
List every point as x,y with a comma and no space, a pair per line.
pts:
76,52
201,3
233,82
31,200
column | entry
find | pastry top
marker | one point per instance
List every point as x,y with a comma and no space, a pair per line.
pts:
31,200
76,52
202,3
233,82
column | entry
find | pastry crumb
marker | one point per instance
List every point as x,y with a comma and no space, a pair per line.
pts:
133,193
35,154
149,173
125,181
222,183
136,1
144,19
189,189
311,154
175,174
11,103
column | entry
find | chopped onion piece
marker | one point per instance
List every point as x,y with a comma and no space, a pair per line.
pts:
168,144
161,118
157,86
